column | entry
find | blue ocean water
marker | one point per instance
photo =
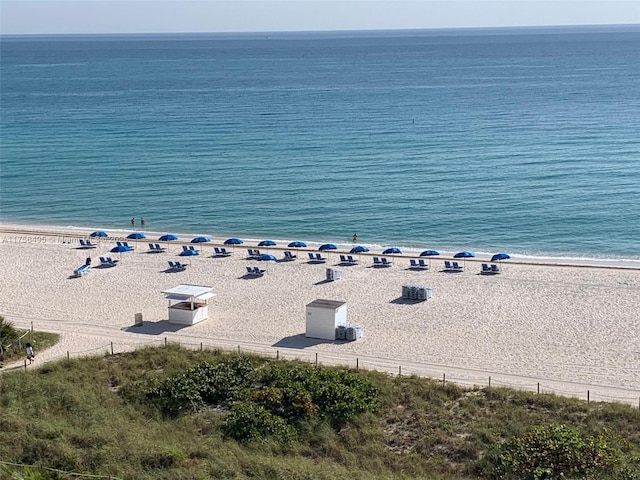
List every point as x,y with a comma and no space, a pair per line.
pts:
523,140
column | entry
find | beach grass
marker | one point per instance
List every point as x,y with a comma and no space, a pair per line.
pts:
14,350
81,416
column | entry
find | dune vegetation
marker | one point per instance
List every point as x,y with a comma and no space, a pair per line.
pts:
174,413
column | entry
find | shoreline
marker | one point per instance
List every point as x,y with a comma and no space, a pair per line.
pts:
76,233
570,328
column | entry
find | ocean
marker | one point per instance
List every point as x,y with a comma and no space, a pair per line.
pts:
518,140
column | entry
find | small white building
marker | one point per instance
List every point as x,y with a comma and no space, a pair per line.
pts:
324,317
191,303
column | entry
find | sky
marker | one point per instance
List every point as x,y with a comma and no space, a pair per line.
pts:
184,16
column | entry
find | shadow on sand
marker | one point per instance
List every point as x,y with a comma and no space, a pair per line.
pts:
300,341
154,328
406,301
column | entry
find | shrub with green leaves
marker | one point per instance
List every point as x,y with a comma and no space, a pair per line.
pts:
338,394
248,422
203,384
551,452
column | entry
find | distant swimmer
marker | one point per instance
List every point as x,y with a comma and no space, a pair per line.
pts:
355,237
142,221
133,221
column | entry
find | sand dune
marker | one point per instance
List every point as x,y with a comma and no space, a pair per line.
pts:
571,328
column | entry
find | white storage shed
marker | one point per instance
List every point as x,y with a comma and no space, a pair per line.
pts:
324,317
191,306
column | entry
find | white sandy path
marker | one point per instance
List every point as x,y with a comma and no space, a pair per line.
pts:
572,329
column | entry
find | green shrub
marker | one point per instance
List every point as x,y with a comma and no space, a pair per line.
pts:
289,403
247,422
551,452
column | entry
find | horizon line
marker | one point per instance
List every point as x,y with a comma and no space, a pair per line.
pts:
633,26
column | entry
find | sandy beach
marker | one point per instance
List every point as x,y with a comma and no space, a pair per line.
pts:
570,328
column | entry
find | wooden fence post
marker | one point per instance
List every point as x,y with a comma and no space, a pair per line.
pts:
112,349
277,354
587,397
358,367
489,381
399,370
538,388
316,359
444,379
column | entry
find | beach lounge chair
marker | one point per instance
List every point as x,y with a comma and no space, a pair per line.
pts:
126,244
485,269
191,247
107,262
159,248
220,252
155,248
253,254
177,266
457,267
495,268
423,264
312,257
352,261
258,271
225,252
81,270
86,244
112,261
320,258
385,262
289,256
343,260
448,267
249,270
377,262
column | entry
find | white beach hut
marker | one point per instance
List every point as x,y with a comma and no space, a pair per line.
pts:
324,317
191,304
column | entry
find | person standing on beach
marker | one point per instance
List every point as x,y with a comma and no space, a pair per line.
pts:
30,355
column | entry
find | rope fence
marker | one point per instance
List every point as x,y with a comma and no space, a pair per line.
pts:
588,393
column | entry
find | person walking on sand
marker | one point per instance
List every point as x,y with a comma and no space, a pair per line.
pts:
30,355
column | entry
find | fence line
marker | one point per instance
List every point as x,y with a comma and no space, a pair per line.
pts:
442,373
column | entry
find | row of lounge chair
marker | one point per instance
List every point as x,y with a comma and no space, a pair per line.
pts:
86,244
419,264
255,271
220,252
452,267
108,262
316,258
381,262
348,260
177,266
489,270
156,248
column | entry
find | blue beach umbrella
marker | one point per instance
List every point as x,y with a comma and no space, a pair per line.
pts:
200,239
189,253
429,253
167,237
464,255
99,233
327,246
391,250
233,241
136,236
297,244
359,249
267,243
120,249
500,256
265,257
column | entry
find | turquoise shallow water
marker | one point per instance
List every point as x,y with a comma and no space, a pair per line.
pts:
488,140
